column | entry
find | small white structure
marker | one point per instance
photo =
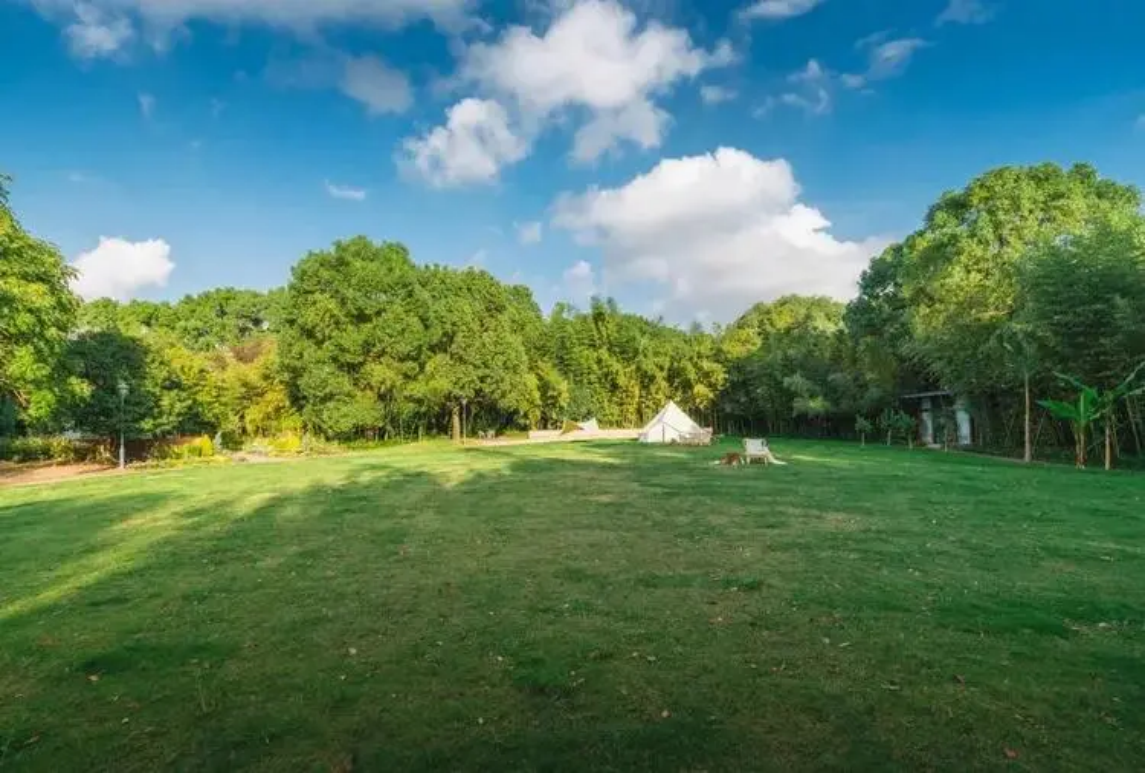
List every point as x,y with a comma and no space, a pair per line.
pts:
930,404
671,425
589,426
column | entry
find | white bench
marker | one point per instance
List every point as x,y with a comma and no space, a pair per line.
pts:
756,449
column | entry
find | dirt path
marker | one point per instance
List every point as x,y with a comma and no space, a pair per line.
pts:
31,474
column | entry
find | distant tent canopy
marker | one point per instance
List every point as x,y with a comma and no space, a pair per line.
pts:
671,425
579,426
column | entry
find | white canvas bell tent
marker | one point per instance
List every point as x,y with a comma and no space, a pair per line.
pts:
671,425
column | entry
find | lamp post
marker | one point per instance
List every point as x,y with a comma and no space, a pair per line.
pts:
122,388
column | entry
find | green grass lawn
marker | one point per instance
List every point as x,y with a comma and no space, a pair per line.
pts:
606,607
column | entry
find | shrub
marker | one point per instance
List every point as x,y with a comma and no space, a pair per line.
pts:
183,449
286,444
61,450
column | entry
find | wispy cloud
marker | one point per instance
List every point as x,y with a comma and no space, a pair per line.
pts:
716,95
778,10
345,192
147,105
809,89
966,12
529,233
379,87
885,59
819,103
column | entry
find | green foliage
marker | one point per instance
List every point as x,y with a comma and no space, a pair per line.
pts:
52,449
960,273
1093,405
1025,272
1083,301
37,310
895,423
287,444
800,366
201,447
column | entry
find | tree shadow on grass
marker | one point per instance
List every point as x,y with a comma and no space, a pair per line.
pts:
603,608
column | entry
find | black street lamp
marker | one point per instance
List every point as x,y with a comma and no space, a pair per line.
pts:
122,388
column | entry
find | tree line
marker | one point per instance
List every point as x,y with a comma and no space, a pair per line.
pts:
1014,292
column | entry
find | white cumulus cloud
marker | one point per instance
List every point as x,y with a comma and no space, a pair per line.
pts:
529,233
94,34
119,269
713,234
779,9
595,68
472,147
593,55
376,85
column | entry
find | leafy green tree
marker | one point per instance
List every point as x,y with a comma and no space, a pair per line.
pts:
878,324
352,335
897,423
1016,338
960,272
1094,405
184,393
792,371
37,310
255,398
99,360
1083,301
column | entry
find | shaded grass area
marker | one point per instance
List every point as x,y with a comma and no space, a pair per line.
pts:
595,607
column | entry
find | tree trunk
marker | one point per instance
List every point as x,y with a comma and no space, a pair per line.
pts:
862,439
1081,446
1134,414
455,423
1108,445
1028,456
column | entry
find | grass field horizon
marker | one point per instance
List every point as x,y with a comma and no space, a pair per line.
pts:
595,607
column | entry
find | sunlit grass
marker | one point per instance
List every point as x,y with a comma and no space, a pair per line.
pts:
576,607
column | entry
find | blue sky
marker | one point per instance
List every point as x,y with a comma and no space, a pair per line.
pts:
687,157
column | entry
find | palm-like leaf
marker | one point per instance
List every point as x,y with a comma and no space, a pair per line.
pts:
1064,411
1126,388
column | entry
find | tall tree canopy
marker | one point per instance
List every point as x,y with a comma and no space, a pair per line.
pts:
37,310
960,272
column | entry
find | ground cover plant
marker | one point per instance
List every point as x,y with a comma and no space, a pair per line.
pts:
588,607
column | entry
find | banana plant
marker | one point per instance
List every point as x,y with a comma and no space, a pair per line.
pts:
1093,406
